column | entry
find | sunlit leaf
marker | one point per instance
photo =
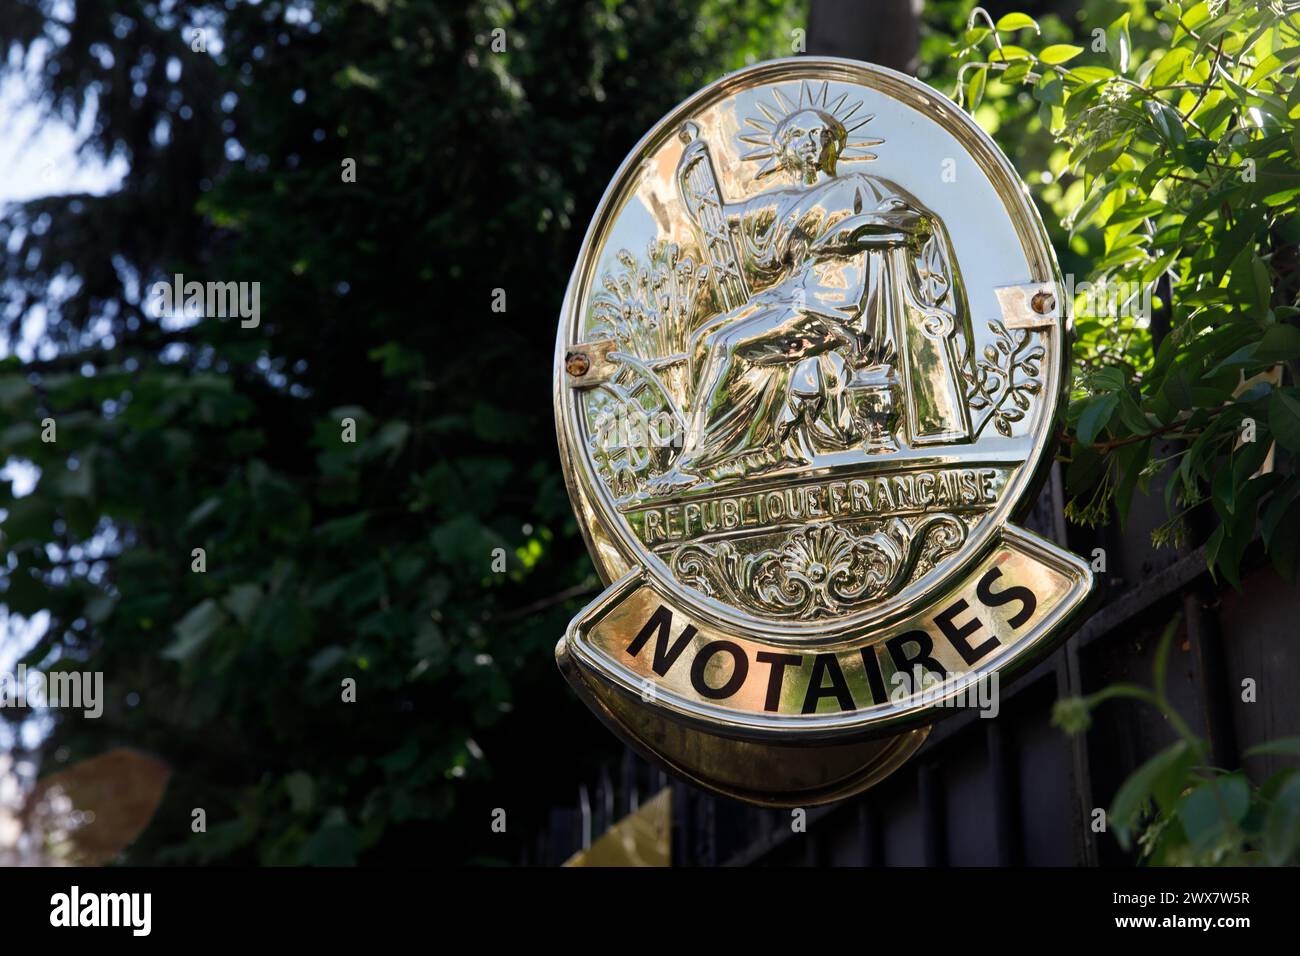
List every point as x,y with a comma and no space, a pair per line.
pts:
1059,53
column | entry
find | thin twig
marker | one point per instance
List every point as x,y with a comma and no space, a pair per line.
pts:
559,598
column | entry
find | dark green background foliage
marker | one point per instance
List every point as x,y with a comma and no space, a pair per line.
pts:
475,171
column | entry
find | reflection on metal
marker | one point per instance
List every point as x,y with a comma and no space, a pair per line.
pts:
806,378
642,838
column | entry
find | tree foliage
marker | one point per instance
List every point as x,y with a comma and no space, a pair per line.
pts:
483,135
1171,161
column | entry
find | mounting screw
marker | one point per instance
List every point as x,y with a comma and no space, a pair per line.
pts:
577,364
1043,302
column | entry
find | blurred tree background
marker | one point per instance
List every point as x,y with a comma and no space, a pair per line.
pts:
476,170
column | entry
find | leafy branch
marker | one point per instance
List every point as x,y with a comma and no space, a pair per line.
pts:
991,379
1169,146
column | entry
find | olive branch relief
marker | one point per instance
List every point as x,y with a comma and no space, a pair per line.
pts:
1007,370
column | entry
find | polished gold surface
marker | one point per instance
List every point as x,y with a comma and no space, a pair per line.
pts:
807,371
768,771
1012,600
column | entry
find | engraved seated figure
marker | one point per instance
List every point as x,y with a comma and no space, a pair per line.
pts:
841,262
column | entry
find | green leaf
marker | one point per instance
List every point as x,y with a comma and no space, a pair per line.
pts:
243,601
13,390
1016,72
26,594
1224,550
18,434
193,630
1213,809
1293,103
1284,549
1096,414
1088,208
1284,420
1212,546
1263,286
1282,197
1191,18
1281,747
1171,65
1085,468
1167,123
325,659
1130,460
1007,53
392,436
1118,44
1168,13
1194,153
343,530
1280,343
1016,21
1108,379
1131,414
1222,488
1282,825
1091,73
1135,210
1050,90
1059,53
77,482
463,541
352,75
29,519
1160,667
1177,391
1278,506
332,845
100,607
302,791
1166,770
203,511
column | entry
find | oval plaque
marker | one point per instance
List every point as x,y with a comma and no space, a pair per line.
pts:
808,372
